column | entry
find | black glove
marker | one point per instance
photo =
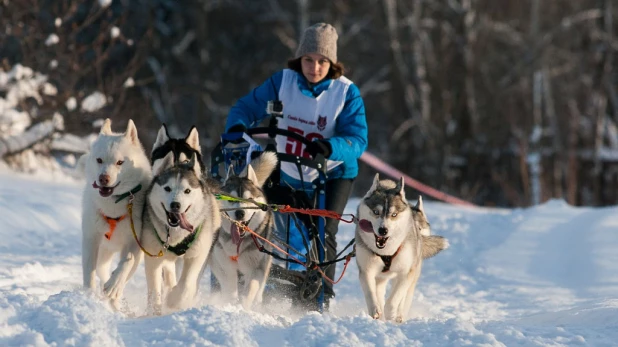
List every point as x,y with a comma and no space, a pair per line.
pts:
238,128
319,146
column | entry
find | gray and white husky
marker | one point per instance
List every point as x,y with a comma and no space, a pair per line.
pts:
235,251
181,218
392,239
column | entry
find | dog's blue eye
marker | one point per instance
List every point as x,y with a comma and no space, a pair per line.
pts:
99,160
394,214
376,212
119,162
167,189
187,191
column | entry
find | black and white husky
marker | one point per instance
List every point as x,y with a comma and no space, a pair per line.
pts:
392,240
181,219
235,250
183,149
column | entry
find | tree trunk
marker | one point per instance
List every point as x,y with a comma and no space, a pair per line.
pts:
36,133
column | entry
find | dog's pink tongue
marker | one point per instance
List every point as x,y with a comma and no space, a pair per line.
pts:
235,234
184,223
365,226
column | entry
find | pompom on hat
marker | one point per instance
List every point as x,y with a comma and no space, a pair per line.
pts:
319,38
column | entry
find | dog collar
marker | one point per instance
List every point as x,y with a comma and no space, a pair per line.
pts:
129,193
388,260
184,245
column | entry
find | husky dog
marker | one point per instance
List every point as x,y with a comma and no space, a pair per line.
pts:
181,218
183,149
235,251
117,172
392,240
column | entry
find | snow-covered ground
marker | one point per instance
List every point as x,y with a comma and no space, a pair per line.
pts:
532,277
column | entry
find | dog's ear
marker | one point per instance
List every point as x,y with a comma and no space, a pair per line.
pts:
401,186
106,129
245,172
229,173
193,140
167,133
163,164
162,138
251,176
419,205
131,133
195,166
374,185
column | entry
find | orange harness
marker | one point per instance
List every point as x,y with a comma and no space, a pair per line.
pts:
234,258
112,224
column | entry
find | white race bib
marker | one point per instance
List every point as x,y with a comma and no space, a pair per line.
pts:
313,118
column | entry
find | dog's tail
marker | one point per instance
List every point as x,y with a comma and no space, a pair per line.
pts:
263,166
433,245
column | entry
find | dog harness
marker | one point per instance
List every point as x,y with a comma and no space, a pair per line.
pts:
388,260
113,222
184,245
129,193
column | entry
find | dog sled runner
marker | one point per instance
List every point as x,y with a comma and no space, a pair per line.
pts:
295,274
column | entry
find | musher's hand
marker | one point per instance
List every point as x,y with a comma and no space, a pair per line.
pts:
319,146
238,128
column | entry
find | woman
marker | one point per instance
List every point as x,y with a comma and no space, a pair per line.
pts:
320,104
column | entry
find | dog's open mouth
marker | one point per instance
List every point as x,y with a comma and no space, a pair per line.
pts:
367,227
381,241
237,232
104,191
178,219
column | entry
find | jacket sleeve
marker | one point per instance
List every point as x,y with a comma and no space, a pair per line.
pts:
350,140
250,110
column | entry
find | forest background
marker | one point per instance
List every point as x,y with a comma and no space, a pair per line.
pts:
498,102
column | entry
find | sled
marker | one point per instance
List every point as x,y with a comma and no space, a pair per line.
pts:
304,287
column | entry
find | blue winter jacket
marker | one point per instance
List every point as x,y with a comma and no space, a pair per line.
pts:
350,140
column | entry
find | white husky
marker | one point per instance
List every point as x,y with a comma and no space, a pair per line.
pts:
181,220
117,171
392,240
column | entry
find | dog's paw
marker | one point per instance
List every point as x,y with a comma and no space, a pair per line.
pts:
399,319
153,310
231,298
246,304
113,287
116,304
179,297
376,314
